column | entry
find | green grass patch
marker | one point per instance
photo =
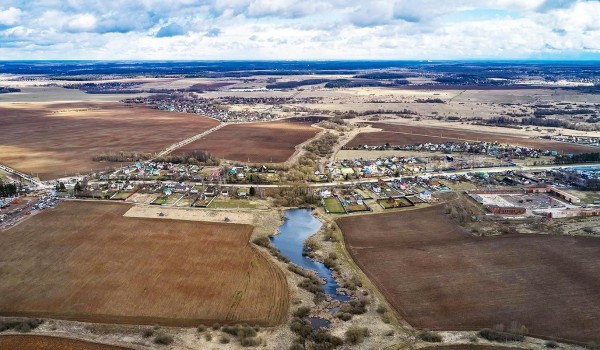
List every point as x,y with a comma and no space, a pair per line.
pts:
160,201
334,206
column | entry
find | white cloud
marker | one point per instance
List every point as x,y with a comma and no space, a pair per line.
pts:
10,16
297,29
85,22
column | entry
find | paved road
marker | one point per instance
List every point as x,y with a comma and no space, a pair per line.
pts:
22,176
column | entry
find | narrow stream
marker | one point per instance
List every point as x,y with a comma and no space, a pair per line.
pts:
300,224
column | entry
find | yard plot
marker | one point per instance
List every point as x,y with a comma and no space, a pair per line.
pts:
333,206
390,191
85,261
51,140
439,277
353,207
415,200
231,204
168,200
122,195
364,194
38,342
143,198
395,134
271,142
186,201
391,203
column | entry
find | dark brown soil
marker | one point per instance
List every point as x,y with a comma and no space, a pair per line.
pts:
268,142
439,277
85,261
38,342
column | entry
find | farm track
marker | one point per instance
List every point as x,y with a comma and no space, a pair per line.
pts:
189,140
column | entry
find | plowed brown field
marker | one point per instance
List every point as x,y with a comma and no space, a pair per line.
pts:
269,142
437,276
57,139
85,261
417,134
37,342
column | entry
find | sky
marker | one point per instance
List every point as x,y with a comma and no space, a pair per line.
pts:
299,29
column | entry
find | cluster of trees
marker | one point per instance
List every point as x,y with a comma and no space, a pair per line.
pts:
122,157
310,338
578,158
106,88
324,145
192,157
297,195
429,100
8,190
295,84
6,90
382,75
347,83
540,121
540,113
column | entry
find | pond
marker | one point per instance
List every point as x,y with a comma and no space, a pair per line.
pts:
300,224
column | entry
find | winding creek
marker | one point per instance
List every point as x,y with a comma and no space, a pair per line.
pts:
299,224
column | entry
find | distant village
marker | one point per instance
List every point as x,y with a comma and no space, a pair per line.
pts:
220,108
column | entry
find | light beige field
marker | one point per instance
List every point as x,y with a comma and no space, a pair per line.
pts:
191,214
58,94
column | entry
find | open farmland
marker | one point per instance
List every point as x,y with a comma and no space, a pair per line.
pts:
269,142
396,134
84,261
437,276
37,342
54,139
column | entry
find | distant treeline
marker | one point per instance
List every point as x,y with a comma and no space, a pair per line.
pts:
382,75
347,83
8,190
122,157
115,88
429,100
547,122
192,157
247,74
295,84
593,157
207,87
106,88
6,90
540,113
